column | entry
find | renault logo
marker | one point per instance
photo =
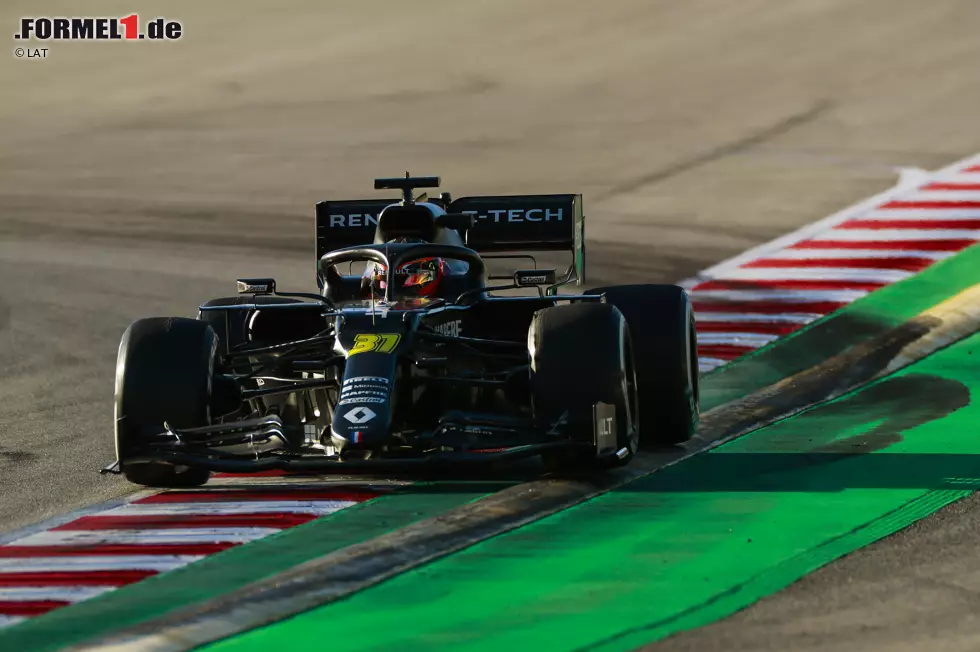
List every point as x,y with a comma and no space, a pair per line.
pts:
360,415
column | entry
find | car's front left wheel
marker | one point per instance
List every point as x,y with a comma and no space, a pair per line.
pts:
164,373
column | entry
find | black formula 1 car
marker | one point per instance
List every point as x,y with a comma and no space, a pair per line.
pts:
408,355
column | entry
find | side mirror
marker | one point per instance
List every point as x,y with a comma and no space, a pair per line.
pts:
457,221
256,286
526,278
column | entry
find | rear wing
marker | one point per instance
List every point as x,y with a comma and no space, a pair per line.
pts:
502,224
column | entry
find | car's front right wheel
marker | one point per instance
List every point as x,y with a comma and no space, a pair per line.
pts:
581,355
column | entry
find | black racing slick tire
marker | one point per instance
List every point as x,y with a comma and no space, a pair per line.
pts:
581,355
164,373
661,325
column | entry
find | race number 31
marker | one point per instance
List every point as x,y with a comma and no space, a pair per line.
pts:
377,342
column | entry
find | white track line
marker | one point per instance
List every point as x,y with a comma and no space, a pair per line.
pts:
9,621
741,339
939,194
318,507
886,235
876,275
762,318
58,593
710,364
854,254
190,535
788,296
921,214
158,563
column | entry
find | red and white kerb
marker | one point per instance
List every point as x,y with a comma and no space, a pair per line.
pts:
749,301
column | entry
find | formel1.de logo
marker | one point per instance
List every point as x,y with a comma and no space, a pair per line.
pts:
126,28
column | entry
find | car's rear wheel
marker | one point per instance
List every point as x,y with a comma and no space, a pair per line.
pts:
581,355
164,373
661,324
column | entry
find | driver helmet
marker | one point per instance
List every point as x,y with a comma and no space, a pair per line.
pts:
416,278
420,278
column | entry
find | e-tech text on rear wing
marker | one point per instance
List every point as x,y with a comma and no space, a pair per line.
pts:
502,223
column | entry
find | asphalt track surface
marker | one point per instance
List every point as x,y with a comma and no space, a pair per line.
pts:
141,179
916,590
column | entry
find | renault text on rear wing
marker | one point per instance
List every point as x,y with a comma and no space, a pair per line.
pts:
508,223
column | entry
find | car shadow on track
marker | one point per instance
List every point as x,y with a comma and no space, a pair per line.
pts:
826,448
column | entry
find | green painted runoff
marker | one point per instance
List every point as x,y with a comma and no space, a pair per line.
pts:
687,545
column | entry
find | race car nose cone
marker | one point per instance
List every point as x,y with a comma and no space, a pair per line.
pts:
357,427
360,425
362,418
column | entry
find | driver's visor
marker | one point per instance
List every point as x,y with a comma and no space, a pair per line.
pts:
418,273
420,277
